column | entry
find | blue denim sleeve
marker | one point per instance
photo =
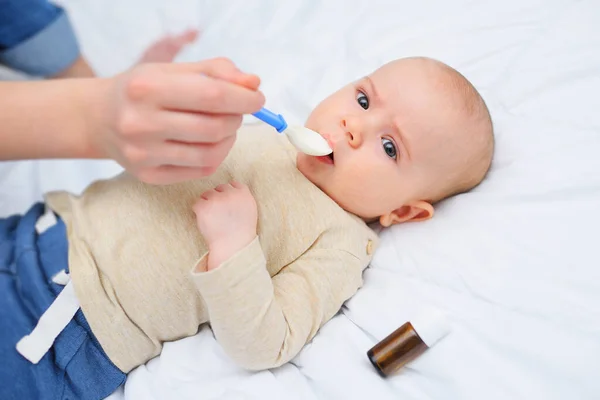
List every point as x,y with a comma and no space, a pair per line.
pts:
36,37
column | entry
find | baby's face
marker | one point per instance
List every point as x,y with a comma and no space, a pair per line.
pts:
384,133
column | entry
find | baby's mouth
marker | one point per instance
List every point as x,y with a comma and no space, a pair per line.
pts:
330,142
328,159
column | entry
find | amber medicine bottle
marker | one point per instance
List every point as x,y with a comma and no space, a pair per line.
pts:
408,342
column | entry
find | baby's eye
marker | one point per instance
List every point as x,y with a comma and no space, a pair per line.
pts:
362,100
390,148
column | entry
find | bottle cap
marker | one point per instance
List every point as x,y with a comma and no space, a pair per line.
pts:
431,325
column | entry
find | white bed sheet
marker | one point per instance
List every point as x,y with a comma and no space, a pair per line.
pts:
514,263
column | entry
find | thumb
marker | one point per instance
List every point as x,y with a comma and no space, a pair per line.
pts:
186,37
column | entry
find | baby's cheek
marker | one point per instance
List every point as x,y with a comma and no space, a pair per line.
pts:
318,118
359,181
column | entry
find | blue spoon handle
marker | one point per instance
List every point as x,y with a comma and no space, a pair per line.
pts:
275,120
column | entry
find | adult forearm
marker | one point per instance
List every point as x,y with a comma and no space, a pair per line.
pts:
49,119
79,69
164,123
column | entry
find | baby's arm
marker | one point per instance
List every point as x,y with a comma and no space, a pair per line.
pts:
263,322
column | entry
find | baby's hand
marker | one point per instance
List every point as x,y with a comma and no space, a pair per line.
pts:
227,218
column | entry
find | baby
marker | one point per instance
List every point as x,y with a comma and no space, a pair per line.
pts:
266,250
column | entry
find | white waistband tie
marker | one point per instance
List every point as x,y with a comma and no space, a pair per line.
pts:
52,322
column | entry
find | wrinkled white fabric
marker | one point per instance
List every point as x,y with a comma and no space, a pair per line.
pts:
514,263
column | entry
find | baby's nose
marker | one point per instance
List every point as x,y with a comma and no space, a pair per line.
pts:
354,138
352,131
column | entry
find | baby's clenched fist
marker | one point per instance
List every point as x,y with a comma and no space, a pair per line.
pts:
227,217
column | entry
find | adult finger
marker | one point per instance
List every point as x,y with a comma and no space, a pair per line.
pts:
200,93
171,174
198,128
206,155
251,82
219,68
188,36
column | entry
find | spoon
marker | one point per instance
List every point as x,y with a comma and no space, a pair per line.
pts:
305,140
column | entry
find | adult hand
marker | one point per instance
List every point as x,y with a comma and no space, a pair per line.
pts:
167,123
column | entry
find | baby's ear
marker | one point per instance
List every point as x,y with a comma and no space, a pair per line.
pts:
412,212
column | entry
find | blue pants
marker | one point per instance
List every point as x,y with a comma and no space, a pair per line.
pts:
75,367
